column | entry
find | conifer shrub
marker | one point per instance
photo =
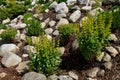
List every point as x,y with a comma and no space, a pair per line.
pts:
34,28
26,17
94,34
46,59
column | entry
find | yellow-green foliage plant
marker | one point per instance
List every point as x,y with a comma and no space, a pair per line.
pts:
46,59
94,34
9,34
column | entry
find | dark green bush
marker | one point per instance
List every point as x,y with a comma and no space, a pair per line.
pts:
12,10
26,16
9,34
66,30
93,35
116,17
34,28
2,26
47,58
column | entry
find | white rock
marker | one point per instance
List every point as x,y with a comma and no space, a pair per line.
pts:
35,15
11,59
53,77
75,16
71,2
20,26
101,72
48,31
91,79
47,20
22,36
33,2
73,75
75,8
113,52
5,48
43,24
53,5
3,74
95,11
117,48
75,45
47,10
85,2
56,33
33,76
113,37
108,65
61,50
65,77
63,22
93,72
29,49
52,23
1,31
25,55
49,37
61,8
86,8
23,66
100,57
106,57
6,21
59,16
14,20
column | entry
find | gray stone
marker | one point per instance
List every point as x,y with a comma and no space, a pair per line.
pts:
11,59
93,72
28,49
33,76
49,37
75,16
65,77
75,8
100,57
106,57
113,52
113,37
43,24
83,1
53,5
75,45
23,67
5,48
56,33
61,8
95,11
23,37
86,8
19,26
48,31
91,79
47,10
71,2
59,16
53,77
108,65
63,22
73,75
2,30
35,15
6,21
117,48
101,72
25,55
61,50
52,23
47,20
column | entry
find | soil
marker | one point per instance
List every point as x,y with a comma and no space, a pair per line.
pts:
72,60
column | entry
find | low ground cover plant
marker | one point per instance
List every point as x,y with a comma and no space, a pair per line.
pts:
94,34
9,34
46,59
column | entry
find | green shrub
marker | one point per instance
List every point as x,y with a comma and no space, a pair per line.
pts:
66,30
116,17
93,35
12,10
34,28
26,16
2,26
9,34
46,59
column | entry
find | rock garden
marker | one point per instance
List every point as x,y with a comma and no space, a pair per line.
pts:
59,39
